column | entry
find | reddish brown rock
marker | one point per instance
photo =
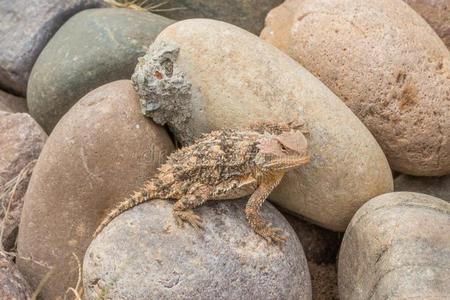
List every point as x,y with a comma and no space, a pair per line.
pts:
12,284
99,152
11,103
437,14
21,141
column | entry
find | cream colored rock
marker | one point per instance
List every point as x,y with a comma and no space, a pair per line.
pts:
99,152
386,63
397,246
201,75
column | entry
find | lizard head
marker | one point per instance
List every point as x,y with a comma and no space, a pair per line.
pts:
282,152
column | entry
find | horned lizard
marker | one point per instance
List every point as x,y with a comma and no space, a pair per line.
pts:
223,165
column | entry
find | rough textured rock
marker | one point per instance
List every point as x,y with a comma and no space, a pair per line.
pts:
21,141
247,14
12,284
386,63
242,80
437,14
324,281
25,27
320,245
143,254
11,103
100,152
94,47
397,246
434,186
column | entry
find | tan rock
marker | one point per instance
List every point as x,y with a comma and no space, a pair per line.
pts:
100,151
21,142
397,246
388,66
241,80
437,14
434,186
11,103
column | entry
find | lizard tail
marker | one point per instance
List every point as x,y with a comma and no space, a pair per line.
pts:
136,199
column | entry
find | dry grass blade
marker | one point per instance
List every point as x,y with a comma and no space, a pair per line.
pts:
8,194
78,290
142,5
41,285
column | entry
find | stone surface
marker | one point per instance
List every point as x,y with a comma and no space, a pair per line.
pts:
92,48
247,14
11,103
434,186
25,27
241,80
320,245
12,284
100,152
437,14
386,63
143,254
21,141
397,246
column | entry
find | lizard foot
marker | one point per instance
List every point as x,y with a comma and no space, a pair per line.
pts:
187,216
272,235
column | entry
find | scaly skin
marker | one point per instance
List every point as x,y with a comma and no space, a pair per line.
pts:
222,165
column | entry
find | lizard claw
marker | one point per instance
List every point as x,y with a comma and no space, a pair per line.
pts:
188,216
273,236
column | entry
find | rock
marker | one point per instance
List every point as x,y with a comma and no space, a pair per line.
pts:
320,245
12,284
437,14
242,80
434,186
323,281
93,48
247,14
21,141
100,152
143,254
386,63
26,27
11,103
397,246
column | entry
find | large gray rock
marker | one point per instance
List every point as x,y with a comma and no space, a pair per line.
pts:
25,28
11,103
434,186
247,14
93,48
21,142
142,254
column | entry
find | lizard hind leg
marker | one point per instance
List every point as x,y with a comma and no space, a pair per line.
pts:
182,209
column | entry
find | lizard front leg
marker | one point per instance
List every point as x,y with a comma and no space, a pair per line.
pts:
258,224
182,209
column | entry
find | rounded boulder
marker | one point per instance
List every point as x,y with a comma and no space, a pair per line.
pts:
143,254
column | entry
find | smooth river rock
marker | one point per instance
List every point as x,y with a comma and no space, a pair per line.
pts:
437,14
11,103
386,63
143,254
100,152
93,48
25,28
434,186
247,14
238,80
397,246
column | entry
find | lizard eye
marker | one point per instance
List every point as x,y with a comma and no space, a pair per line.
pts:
283,148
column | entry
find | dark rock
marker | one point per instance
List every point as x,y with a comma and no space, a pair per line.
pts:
93,48
434,186
12,284
11,103
25,28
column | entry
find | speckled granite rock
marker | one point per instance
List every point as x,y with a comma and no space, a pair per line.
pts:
434,186
94,47
143,254
25,28
12,284
100,152
11,103
247,14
